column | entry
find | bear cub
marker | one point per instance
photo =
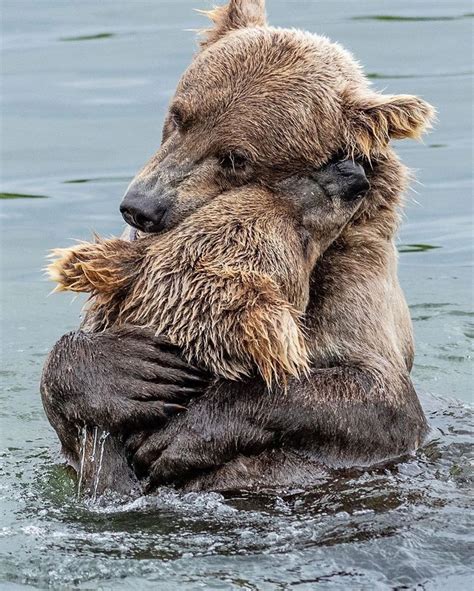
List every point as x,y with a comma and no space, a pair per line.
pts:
230,284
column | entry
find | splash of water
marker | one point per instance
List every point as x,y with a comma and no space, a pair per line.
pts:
94,445
102,440
82,452
91,462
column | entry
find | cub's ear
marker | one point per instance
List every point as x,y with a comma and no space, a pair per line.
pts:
238,14
374,119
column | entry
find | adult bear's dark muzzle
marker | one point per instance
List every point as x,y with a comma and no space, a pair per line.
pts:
145,209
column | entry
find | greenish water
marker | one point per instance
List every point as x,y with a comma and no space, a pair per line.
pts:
20,196
84,87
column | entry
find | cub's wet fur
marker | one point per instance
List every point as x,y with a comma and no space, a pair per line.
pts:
224,286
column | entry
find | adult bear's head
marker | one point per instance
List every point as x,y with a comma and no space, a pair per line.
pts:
257,104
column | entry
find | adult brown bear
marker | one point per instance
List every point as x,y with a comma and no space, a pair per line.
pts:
256,105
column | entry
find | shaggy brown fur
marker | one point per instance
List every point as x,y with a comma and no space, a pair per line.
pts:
278,102
223,286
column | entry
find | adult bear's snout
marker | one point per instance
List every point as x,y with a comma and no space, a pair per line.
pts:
145,210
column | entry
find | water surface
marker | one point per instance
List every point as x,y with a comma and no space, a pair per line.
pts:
85,85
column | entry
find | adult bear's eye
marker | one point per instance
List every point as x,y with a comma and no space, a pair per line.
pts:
234,161
176,118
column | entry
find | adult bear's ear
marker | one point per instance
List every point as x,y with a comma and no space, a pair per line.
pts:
374,119
238,14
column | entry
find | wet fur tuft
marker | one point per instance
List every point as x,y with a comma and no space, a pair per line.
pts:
105,266
237,14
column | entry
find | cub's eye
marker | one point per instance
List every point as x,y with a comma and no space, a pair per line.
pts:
234,161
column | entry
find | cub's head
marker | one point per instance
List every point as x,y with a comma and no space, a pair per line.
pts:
258,104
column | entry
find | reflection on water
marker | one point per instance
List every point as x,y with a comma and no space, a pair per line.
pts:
404,248
88,37
380,76
79,119
20,196
111,179
410,19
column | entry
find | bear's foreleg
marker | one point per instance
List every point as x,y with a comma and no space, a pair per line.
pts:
339,417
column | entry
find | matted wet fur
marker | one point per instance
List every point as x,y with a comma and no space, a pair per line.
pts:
223,286
274,102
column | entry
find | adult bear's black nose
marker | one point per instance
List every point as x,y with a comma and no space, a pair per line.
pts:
145,210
